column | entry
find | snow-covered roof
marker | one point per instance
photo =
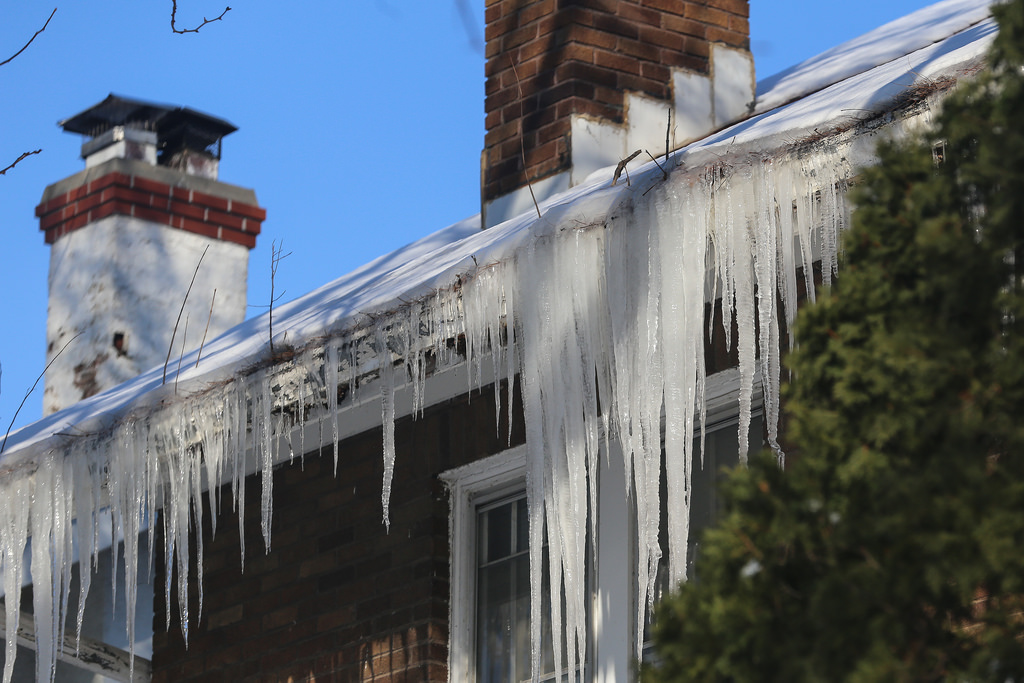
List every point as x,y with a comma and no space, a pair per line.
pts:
853,81
887,43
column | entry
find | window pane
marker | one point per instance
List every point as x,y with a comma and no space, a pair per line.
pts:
497,533
522,526
722,447
503,595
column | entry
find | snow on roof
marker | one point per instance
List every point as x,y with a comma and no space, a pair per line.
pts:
886,43
852,82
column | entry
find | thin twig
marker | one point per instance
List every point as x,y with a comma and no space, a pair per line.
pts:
23,155
34,35
668,129
174,16
663,171
184,336
34,384
622,167
208,318
522,131
183,302
275,261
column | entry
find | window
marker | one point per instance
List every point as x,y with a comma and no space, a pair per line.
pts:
721,450
490,616
503,594
490,632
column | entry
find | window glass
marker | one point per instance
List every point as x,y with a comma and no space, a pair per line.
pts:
503,595
721,451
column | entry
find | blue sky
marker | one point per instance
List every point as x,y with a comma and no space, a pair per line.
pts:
360,123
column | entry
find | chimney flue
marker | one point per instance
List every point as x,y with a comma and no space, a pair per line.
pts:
124,128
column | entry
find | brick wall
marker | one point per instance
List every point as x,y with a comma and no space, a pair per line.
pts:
579,57
128,194
338,598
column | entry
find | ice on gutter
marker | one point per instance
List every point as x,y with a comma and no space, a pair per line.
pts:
598,306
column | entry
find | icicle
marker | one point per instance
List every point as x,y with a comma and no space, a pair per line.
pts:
153,485
301,416
535,438
387,388
767,238
85,507
63,513
179,479
126,500
237,422
42,519
604,325
588,305
512,360
14,523
414,358
474,308
782,196
683,251
265,456
331,379
213,445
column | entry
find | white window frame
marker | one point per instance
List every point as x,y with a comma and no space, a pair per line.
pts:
470,486
612,620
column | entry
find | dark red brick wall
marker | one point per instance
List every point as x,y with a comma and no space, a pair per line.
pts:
579,57
338,598
133,195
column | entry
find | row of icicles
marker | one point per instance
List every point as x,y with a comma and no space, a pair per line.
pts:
605,326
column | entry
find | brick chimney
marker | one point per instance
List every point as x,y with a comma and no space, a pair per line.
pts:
599,79
126,235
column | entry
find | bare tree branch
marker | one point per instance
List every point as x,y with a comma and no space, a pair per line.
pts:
664,173
30,41
174,18
622,167
183,302
522,145
34,384
184,336
208,319
275,260
23,155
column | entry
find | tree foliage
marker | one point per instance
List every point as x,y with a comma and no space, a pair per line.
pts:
892,547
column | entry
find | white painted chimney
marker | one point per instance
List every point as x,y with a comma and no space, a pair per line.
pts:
126,236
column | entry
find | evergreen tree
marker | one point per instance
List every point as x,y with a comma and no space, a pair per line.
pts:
892,547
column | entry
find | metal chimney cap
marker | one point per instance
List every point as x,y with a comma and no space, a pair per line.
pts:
169,122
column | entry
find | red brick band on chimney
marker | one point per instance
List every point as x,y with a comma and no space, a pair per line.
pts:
130,195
